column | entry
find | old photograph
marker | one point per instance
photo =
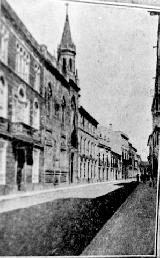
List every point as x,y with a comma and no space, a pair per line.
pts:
80,128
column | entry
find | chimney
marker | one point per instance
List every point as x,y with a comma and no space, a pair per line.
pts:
44,50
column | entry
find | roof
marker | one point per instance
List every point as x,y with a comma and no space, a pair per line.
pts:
90,118
66,41
124,135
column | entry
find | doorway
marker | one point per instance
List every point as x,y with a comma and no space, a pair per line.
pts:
20,166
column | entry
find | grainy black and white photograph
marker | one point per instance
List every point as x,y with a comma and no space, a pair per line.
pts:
80,128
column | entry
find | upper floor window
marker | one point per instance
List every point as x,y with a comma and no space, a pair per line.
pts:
37,77
48,99
21,107
63,110
36,114
4,39
22,63
3,96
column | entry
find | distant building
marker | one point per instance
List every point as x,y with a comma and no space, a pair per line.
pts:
105,159
88,145
144,167
124,157
133,162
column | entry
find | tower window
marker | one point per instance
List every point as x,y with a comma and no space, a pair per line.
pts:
70,64
64,65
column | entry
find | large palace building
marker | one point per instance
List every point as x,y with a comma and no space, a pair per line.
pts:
38,108
46,137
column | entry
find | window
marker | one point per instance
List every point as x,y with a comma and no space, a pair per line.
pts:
3,146
64,65
48,99
36,114
4,38
84,147
3,97
81,143
35,168
37,77
70,64
63,111
21,107
22,63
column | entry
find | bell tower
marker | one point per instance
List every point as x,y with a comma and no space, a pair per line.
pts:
66,52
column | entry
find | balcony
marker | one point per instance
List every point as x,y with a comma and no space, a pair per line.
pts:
36,135
25,132
3,124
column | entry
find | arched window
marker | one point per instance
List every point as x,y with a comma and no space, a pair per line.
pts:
36,114
63,111
48,99
64,65
70,64
3,97
73,109
21,106
21,94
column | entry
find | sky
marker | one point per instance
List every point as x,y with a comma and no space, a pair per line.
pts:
115,59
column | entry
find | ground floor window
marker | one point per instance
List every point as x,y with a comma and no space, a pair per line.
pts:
35,170
3,146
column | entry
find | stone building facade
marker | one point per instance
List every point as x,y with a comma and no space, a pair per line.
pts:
38,108
154,137
88,146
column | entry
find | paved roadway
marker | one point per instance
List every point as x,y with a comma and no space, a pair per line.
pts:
27,199
131,230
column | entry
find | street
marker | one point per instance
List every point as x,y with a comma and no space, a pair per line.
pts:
131,230
63,226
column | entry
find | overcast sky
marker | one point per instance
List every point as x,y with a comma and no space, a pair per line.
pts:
115,59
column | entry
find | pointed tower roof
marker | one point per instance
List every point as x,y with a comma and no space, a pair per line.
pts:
66,41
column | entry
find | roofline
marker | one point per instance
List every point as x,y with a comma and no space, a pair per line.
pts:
87,115
37,47
21,26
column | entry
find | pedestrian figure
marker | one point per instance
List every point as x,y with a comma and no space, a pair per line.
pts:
137,176
141,177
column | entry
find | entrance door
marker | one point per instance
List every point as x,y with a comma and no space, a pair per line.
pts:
72,167
20,165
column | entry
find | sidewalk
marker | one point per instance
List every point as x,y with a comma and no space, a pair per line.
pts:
27,199
64,226
131,230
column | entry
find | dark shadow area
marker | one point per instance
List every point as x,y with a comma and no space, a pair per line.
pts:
61,227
